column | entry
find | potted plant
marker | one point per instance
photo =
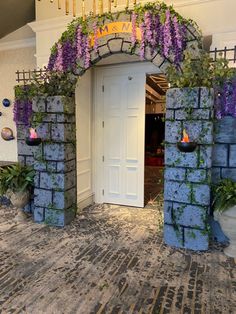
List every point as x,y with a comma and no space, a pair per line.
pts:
15,183
224,205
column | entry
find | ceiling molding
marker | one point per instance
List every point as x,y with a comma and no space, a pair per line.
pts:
187,3
50,24
17,44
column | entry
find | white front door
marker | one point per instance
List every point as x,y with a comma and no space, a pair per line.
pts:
122,103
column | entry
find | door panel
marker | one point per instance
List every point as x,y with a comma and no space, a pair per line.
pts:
124,113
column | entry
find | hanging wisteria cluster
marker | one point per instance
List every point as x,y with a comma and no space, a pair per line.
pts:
22,111
164,32
225,99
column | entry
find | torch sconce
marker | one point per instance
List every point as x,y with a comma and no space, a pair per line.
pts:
185,145
33,139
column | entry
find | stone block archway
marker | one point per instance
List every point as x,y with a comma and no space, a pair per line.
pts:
55,183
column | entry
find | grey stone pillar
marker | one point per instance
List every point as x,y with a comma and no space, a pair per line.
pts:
55,161
188,175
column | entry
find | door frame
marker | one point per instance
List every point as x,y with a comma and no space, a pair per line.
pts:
98,115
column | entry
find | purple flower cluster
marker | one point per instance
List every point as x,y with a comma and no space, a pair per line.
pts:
168,37
225,99
22,112
95,32
58,66
134,29
142,44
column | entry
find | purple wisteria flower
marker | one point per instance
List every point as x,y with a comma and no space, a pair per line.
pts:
79,42
87,57
178,41
95,32
167,35
58,66
134,30
52,60
142,43
225,99
149,29
68,55
22,112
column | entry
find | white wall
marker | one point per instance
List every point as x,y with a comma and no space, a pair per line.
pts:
214,17
16,53
83,97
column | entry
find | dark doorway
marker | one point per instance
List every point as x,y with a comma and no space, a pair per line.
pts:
156,87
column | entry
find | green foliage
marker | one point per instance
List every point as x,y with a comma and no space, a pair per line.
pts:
201,71
224,195
17,178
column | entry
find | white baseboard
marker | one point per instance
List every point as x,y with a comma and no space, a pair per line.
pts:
85,201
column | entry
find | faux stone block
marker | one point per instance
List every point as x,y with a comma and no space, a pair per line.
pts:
175,191
176,174
232,156
104,51
173,237
206,135
67,118
39,104
170,114
196,114
205,157
220,155
173,131
57,180
207,97
196,240
182,98
24,149
174,157
39,213
201,194
158,60
215,175
61,104
62,132
21,132
36,179
42,198
168,212
66,166
52,181
58,218
190,215
29,160
126,47
40,166
229,173
164,66
65,199
197,175
194,129
225,130
59,151
43,130
115,44
21,159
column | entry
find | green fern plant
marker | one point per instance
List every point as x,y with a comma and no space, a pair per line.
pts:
16,178
224,195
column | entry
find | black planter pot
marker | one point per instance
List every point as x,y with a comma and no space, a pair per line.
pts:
187,147
33,141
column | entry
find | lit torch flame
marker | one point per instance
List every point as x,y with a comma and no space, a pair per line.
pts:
33,133
185,137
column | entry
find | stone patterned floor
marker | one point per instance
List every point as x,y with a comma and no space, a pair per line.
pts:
109,260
